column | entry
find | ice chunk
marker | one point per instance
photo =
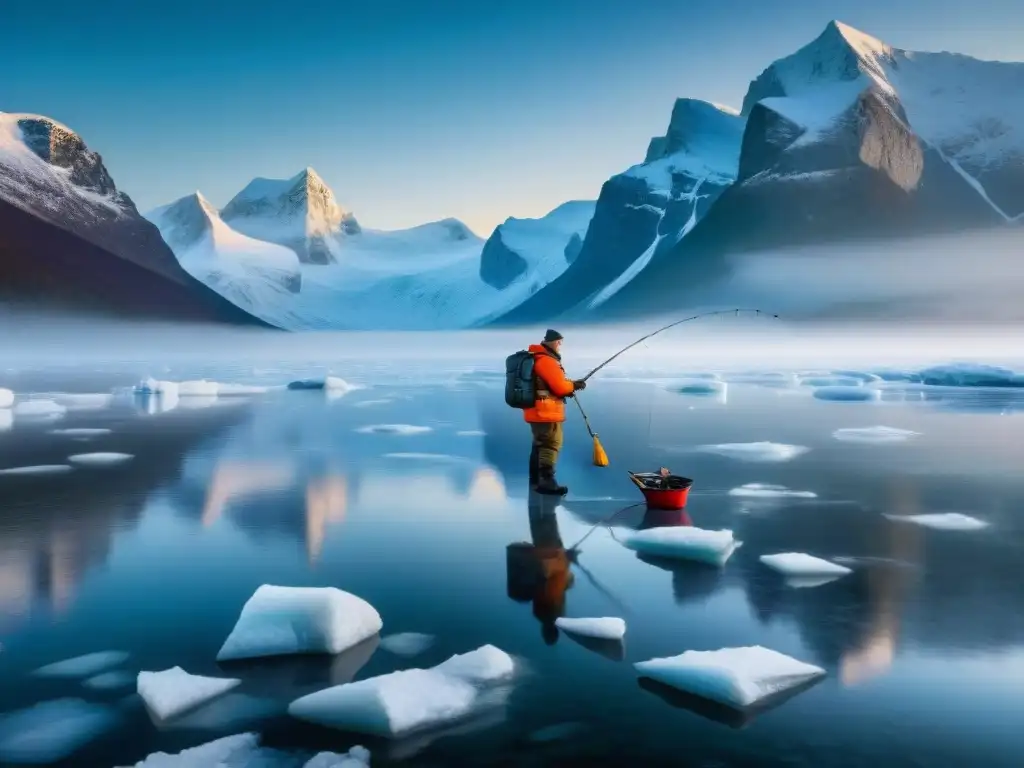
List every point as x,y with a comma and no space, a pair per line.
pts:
847,394
357,757
80,432
390,705
6,398
873,435
605,628
486,664
943,521
761,452
684,543
393,429
767,491
736,677
100,459
800,565
173,691
38,469
335,384
39,409
51,730
407,643
106,681
286,620
83,666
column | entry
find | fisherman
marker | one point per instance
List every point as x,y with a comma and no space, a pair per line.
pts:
548,412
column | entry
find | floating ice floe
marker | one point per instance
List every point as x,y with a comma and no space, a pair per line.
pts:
288,620
108,459
736,677
369,403
848,394
52,730
801,565
174,691
244,751
106,681
83,666
763,451
90,401
866,376
684,543
81,432
394,429
700,387
768,491
471,433
39,409
6,398
604,628
943,521
408,701
407,643
873,435
831,381
38,469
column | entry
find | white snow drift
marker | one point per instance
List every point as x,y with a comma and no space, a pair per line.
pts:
298,620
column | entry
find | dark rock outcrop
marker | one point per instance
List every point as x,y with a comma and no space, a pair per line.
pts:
499,264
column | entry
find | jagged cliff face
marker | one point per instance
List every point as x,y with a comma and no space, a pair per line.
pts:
300,213
70,239
849,138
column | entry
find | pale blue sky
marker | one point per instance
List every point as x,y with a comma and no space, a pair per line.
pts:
413,111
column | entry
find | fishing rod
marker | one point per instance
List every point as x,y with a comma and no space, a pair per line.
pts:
673,325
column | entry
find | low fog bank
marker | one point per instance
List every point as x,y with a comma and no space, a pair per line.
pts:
971,278
724,342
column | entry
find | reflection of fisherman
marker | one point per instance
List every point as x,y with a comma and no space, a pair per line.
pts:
540,572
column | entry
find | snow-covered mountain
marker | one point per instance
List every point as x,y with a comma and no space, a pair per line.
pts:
70,240
647,209
299,213
850,138
288,253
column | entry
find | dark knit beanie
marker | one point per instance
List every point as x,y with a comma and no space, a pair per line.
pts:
552,335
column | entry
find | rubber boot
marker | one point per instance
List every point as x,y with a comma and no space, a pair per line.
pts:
534,466
548,485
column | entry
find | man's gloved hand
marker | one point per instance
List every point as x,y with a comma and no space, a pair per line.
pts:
579,385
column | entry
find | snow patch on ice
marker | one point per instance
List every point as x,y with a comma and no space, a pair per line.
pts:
52,730
394,429
684,543
83,666
736,677
943,521
604,628
407,644
100,459
173,691
290,620
873,435
768,491
762,451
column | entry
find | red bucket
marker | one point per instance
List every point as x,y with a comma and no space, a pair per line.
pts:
652,486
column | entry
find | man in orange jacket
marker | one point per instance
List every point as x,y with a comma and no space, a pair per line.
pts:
548,412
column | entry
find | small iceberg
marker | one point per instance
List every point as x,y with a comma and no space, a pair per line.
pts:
52,730
799,565
407,644
408,701
107,681
848,394
943,521
83,666
39,409
278,621
244,751
604,628
394,429
38,469
174,691
736,677
6,398
684,543
758,452
767,491
100,459
81,432
873,435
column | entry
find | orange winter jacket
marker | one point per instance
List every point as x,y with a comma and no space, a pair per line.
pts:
552,387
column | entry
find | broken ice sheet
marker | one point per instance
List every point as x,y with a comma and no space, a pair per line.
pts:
52,730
